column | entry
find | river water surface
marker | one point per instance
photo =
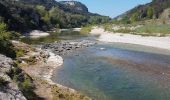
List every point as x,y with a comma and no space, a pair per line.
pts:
113,71
117,72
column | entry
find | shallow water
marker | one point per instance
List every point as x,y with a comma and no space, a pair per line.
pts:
119,72
70,35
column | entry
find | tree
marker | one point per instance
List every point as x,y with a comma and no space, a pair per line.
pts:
6,46
134,17
41,10
55,15
125,20
150,12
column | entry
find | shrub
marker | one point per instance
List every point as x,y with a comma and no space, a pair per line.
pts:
163,29
85,30
7,48
3,82
126,30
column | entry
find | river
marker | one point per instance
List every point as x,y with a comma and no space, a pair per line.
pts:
116,71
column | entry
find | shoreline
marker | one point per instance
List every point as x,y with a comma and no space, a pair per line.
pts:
55,61
40,64
157,42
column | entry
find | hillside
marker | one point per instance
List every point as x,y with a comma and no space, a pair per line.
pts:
22,15
152,10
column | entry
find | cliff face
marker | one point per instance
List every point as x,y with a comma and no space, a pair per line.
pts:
74,6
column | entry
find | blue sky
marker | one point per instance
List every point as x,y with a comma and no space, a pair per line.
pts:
111,8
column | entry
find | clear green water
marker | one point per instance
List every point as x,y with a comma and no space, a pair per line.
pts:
120,72
70,35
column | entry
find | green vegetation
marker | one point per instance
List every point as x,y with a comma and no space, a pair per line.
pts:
150,13
32,14
146,28
6,46
59,94
125,30
156,30
86,29
134,17
3,83
125,20
152,10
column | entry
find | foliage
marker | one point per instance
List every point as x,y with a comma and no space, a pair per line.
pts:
6,46
3,82
150,12
86,29
125,20
134,17
160,30
98,19
125,30
31,14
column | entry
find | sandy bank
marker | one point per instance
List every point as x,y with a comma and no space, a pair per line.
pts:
37,34
158,42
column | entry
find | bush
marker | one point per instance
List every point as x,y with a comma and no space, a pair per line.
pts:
7,48
126,30
3,82
85,30
162,30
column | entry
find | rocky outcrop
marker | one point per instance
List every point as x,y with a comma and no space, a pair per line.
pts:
8,89
74,6
62,48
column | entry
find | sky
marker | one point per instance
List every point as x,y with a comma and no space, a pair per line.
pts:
111,8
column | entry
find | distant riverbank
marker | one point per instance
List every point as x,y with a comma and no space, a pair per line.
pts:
105,36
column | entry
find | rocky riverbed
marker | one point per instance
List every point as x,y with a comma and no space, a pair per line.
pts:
64,47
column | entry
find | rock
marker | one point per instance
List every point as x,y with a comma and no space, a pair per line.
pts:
62,48
37,34
5,64
9,90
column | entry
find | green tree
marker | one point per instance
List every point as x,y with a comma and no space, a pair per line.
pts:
134,17
55,16
125,20
41,10
6,46
150,12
